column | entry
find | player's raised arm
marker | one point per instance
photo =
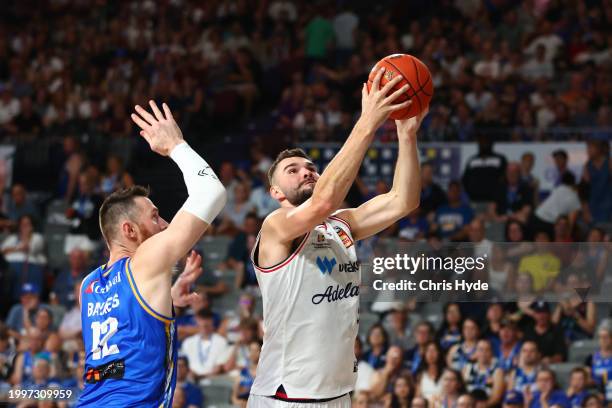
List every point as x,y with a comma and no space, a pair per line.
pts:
331,188
382,211
206,199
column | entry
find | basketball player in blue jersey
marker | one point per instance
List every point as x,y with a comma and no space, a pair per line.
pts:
127,304
306,264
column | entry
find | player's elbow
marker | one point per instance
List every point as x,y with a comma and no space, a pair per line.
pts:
406,205
322,208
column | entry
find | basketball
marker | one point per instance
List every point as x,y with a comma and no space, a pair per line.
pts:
416,75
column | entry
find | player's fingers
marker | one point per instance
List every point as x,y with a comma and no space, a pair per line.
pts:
389,85
167,111
364,91
140,122
377,78
156,110
145,115
399,106
396,94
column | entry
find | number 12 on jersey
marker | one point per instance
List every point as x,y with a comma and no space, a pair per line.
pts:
102,332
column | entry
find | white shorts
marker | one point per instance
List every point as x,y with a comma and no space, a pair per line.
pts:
260,401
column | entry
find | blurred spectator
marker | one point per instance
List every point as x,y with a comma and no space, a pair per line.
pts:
400,324
378,344
476,233
28,122
514,199
191,393
430,371
70,327
516,236
207,350
9,107
63,286
41,375
523,377
423,334
548,392
260,199
318,35
186,317
25,253
597,173
484,170
542,265
402,393
23,367
502,274
527,177
462,353
513,399
563,233
83,215
577,388
365,372
230,327
449,333
538,66
600,362
509,346
479,97
414,227
560,159
19,204
310,124
243,383
239,354
385,376
452,387
452,219
7,353
592,401
548,39
239,252
573,314
546,335
115,177
29,303
432,195
234,215
419,402
485,374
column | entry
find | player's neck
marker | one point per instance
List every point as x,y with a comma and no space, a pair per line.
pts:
119,251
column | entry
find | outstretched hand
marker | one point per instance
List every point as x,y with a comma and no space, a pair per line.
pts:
409,127
161,132
181,295
377,104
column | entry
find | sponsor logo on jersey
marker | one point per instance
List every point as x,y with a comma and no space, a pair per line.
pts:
321,241
326,266
346,240
102,308
349,266
114,369
95,287
332,294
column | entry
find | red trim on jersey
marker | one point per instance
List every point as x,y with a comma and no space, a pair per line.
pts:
333,217
277,267
284,396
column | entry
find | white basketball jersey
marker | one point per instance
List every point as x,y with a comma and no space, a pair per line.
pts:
310,307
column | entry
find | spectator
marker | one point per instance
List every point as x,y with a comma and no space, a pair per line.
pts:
577,388
516,235
243,383
543,266
9,108
28,123
400,327
523,377
63,287
261,200
29,303
207,350
230,327
20,205
310,123
478,98
560,159
527,177
378,344
514,198
600,361
466,401
365,372
592,401
573,314
548,39
476,233
538,66
509,346
318,35
25,253
430,371
449,333
513,399
485,374
502,274
234,215
546,335
414,227
239,252
186,318
385,376
239,354
452,387
41,375
192,394
432,195
402,394
597,173
23,367
7,354
452,219
116,177
548,392
70,327
423,334
85,228
462,353
484,170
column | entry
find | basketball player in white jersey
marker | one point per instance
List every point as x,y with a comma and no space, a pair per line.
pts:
306,263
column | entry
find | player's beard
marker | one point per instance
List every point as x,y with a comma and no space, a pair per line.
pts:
299,196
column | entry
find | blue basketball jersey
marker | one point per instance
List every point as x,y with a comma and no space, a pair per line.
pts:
130,349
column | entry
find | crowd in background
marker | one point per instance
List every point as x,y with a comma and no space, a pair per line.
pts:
71,72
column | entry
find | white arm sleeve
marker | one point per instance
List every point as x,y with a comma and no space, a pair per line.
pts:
207,195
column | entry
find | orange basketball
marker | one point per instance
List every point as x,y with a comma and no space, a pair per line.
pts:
415,74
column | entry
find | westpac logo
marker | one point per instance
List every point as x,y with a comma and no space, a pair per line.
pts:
326,265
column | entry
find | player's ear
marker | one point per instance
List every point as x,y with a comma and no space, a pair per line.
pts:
276,193
129,230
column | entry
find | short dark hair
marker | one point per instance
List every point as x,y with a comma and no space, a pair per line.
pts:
204,314
285,154
568,178
118,204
